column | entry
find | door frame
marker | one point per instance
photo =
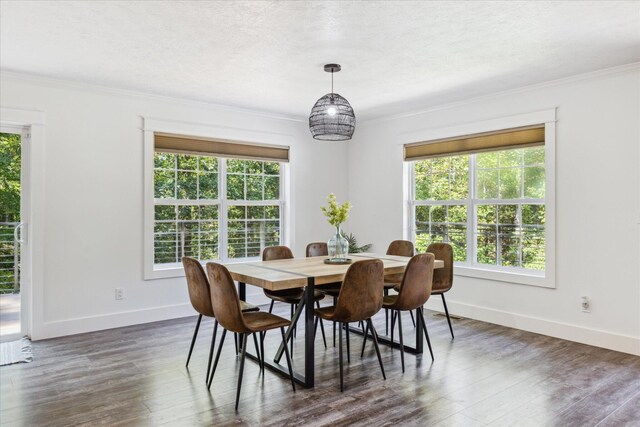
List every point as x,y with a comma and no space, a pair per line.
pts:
30,125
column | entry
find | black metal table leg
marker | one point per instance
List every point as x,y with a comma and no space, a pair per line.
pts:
419,332
307,303
289,334
242,291
309,336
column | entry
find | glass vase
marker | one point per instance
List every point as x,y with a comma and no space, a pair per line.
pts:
338,247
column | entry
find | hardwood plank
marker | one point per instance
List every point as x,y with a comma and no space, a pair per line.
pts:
626,415
489,374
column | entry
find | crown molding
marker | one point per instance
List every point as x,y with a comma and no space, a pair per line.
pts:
50,81
89,87
634,66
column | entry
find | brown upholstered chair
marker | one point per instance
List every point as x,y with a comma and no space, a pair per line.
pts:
415,289
443,277
227,306
331,289
320,249
289,296
400,248
360,299
200,296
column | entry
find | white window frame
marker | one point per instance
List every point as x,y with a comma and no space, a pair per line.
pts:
150,126
544,278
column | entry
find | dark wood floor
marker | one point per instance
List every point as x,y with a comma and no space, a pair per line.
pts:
488,375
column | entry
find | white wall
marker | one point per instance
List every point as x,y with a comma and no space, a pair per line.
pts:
598,206
91,203
92,198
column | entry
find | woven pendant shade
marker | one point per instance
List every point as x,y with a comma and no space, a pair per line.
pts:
332,127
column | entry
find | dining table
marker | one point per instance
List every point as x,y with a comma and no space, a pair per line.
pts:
309,273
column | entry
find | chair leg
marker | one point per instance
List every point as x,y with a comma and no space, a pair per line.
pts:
255,343
346,329
215,363
244,355
295,327
288,356
340,352
386,316
262,334
315,328
334,334
413,320
446,311
335,301
426,334
364,340
213,342
193,340
271,306
235,341
291,338
324,337
399,316
393,319
374,334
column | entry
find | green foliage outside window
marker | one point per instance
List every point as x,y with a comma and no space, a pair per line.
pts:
509,230
10,158
9,177
187,207
253,180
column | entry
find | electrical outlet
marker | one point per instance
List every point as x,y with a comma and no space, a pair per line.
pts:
585,304
119,293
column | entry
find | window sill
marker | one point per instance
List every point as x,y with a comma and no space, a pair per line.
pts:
164,272
539,280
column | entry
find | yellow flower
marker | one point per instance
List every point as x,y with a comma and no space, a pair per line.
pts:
335,212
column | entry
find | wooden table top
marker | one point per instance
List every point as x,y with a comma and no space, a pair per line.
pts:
293,273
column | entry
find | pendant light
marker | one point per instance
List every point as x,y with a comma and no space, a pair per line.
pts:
332,118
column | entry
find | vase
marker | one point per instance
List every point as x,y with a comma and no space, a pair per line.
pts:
338,247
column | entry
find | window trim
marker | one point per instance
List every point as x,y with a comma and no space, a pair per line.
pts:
150,126
545,279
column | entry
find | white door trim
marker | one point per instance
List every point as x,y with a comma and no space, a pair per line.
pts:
32,213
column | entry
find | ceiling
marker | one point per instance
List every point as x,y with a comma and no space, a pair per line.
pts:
268,55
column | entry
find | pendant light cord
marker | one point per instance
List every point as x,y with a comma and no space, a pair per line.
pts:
332,81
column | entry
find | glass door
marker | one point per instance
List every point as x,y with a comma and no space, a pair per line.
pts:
11,231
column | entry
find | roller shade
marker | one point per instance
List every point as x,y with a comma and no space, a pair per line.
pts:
466,144
171,143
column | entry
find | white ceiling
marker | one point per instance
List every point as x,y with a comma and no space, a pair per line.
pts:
268,55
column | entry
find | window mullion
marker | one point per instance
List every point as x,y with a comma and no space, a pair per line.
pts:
222,212
175,196
281,203
471,212
411,208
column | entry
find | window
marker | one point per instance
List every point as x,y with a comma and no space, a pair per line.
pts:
507,203
186,207
253,214
211,207
491,206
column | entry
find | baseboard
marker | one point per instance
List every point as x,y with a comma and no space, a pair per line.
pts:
81,325
569,332
595,337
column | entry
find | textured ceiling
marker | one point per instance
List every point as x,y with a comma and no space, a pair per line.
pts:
268,55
